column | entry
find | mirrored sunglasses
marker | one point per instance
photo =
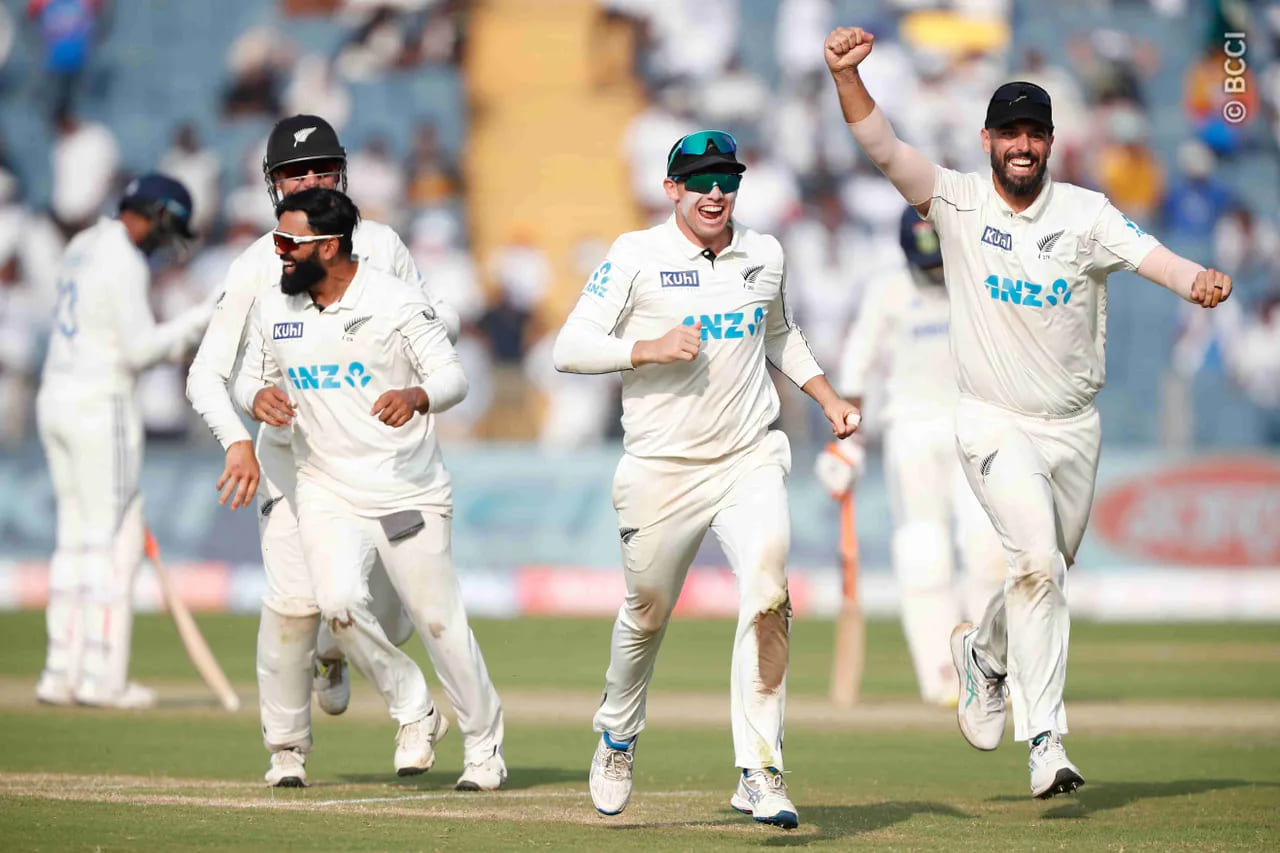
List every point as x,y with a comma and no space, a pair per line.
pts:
705,182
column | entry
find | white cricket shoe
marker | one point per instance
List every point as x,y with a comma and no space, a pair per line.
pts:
332,685
288,769
487,775
416,743
610,777
54,690
1052,773
763,795
981,711
134,697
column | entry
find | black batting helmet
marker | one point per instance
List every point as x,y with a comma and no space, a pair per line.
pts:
297,139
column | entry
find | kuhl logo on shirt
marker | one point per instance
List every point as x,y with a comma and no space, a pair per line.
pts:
683,278
996,237
283,331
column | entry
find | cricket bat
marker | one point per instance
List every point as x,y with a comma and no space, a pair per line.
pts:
851,626
197,649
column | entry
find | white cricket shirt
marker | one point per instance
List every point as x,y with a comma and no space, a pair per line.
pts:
382,335
103,331
1029,290
903,329
255,273
724,399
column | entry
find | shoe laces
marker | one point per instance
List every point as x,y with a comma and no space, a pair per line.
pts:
616,764
768,779
286,756
1049,747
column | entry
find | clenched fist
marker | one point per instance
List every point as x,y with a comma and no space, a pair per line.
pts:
1210,288
680,344
846,47
397,408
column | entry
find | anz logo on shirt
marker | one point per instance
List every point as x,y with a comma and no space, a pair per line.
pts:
598,284
1028,293
320,377
728,326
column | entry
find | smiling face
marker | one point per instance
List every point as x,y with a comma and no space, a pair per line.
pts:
703,217
1019,156
301,266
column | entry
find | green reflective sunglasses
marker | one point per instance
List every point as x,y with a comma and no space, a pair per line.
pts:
704,182
695,144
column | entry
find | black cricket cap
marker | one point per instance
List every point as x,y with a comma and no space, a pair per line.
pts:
1019,101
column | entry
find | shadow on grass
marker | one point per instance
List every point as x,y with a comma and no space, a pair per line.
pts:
819,823
1094,797
443,780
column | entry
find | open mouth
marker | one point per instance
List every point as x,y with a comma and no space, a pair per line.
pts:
1020,165
289,267
710,213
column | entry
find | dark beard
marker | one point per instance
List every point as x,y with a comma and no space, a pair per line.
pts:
1019,187
305,275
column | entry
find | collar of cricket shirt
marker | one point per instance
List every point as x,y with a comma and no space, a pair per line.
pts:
1034,210
352,294
692,250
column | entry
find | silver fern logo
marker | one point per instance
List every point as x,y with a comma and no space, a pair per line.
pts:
353,326
750,274
1046,243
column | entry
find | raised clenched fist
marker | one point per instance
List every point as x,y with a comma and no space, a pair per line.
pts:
846,47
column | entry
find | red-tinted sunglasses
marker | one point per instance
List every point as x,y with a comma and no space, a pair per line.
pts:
286,242
302,168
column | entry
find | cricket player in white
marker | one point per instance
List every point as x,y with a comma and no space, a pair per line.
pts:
690,311
359,354
104,335
303,151
902,333
1026,262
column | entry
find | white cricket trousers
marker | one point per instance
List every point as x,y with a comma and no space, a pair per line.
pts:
340,549
287,631
935,515
1035,477
93,445
665,507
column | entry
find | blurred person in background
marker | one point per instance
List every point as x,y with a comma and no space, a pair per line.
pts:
21,324
85,158
69,31
257,59
199,169
1129,172
434,178
697,403
1030,359
292,659
104,333
1197,198
902,333
378,181
315,88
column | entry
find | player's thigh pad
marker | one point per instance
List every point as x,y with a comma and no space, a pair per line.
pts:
1011,480
338,553
1072,447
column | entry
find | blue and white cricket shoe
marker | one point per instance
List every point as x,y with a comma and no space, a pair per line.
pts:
982,708
610,777
1052,773
763,795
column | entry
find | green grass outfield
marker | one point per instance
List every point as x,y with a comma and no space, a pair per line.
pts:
1176,729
